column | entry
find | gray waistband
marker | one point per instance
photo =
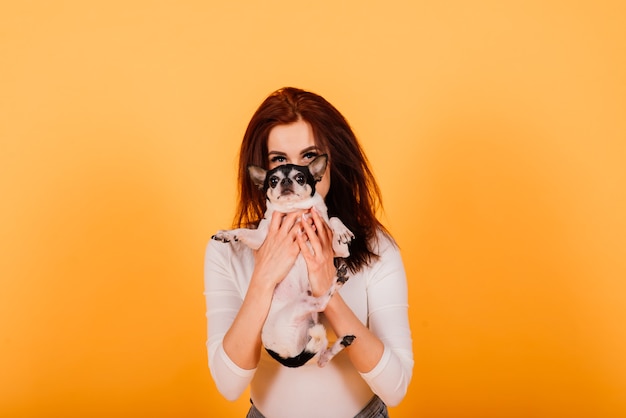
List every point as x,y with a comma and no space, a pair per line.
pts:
376,408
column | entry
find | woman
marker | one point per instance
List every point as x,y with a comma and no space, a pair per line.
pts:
294,126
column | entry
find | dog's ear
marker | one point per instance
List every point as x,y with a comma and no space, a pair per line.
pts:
257,174
317,167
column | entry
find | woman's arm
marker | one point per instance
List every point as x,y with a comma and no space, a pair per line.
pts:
367,349
234,325
382,350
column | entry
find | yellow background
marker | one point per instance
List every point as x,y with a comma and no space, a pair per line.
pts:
497,131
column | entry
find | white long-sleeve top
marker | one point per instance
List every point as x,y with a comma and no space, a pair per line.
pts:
377,294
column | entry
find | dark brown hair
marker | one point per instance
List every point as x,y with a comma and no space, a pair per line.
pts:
354,196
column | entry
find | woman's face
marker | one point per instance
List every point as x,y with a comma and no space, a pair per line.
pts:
294,144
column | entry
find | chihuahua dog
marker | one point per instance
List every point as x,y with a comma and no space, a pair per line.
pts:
292,333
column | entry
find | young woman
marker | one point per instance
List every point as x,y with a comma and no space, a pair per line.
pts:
293,126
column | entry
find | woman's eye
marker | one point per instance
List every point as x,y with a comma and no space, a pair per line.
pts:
310,155
278,159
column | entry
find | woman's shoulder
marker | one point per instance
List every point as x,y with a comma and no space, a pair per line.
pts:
383,242
388,262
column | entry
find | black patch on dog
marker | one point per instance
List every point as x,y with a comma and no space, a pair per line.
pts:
342,273
296,361
347,340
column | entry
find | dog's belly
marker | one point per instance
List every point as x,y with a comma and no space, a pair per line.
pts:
286,334
295,285
291,314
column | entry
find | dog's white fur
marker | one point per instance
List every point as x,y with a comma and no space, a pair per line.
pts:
292,323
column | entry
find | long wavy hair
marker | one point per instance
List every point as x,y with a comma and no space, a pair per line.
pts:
354,196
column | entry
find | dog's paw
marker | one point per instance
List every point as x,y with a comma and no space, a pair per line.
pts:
347,340
342,274
341,233
224,236
344,236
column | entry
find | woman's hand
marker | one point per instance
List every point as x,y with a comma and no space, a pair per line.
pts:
278,253
315,244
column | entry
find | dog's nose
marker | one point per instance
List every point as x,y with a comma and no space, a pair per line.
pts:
286,182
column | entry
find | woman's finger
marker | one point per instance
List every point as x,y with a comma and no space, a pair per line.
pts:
276,221
323,230
306,249
283,224
309,235
293,223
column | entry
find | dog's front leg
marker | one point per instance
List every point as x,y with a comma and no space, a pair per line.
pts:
228,235
342,236
253,238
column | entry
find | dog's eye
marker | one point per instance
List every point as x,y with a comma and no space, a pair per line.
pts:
300,179
273,181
